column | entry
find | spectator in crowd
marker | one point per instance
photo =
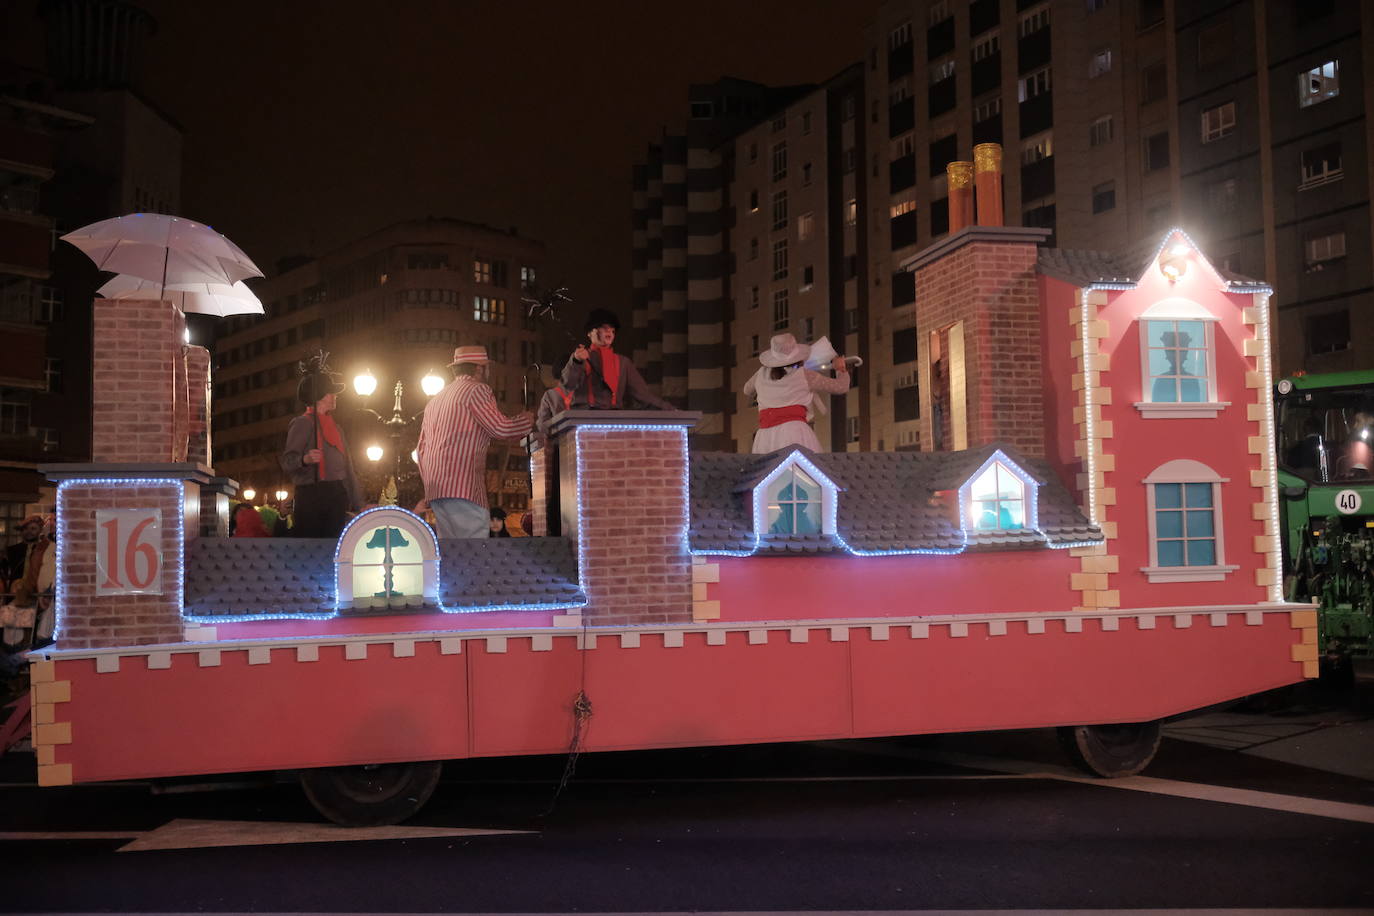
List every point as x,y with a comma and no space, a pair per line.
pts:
498,523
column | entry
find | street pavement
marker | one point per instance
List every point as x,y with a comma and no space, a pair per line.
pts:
1257,808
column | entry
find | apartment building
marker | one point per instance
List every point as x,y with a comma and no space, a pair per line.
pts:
796,245
394,303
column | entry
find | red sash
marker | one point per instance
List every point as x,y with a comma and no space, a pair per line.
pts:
776,416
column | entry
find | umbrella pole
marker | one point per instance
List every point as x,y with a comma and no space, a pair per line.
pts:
166,253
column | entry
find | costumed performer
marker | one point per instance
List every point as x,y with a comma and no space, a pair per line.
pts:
785,389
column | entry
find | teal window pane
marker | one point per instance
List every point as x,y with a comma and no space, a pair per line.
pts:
1164,391
1160,363
1191,391
1012,516
986,513
1193,363
984,485
1170,553
808,519
1200,524
1196,332
1199,495
1155,331
1202,553
779,519
1169,524
1168,495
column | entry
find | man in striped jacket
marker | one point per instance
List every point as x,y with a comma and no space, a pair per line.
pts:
459,424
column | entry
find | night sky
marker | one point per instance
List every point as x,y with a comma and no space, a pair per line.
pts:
307,126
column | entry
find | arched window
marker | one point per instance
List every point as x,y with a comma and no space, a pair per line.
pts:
1178,360
1186,544
387,558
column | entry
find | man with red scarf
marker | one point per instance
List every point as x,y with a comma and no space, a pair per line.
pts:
601,378
317,461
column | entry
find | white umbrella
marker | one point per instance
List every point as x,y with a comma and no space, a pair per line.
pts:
166,250
218,299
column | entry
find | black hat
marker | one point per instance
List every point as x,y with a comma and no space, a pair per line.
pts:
315,385
598,317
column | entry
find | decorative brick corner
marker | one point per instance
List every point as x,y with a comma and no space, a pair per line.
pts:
198,401
981,282
139,409
628,517
87,619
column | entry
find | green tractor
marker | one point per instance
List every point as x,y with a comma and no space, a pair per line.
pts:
1326,485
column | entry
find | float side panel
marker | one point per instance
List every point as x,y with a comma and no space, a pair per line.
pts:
1031,680
656,695
187,718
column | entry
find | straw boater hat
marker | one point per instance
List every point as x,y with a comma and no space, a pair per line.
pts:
469,355
783,350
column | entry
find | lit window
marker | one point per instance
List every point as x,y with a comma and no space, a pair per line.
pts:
481,270
488,310
997,500
806,226
900,208
1184,512
1319,84
387,558
795,504
1218,122
1037,148
1178,355
851,212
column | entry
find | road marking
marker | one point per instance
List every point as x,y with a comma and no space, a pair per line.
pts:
203,834
25,836
1250,798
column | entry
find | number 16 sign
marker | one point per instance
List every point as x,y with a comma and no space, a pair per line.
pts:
128,555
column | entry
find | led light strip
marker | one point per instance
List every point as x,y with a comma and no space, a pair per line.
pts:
1267,373
124,483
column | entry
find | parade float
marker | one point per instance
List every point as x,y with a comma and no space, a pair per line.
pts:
1095,547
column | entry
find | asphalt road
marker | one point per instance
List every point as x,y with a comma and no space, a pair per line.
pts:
954,822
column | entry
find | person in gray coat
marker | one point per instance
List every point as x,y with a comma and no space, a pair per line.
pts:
317,462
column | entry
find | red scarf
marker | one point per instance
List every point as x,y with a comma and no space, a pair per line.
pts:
610,373
326,430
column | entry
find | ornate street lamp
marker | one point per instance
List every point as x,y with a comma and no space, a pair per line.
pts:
395,425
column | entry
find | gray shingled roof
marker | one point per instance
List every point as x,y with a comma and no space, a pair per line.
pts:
1081,267
294,577
885,503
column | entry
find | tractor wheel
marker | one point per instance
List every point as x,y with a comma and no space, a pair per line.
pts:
1111,750
374,795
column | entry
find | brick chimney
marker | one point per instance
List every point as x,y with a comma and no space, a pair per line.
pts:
960,179
977,303
623,481
123,519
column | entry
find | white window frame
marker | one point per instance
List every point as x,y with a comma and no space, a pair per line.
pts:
1319,249
1318,84
1179,309
1029,499
987,44
1033,21
901,207
1311,178
779,203
1100,63
780,258
1034,84
1037,148
779,160
987,109
1222,125
1101,131
362,526
829,494
1185,471
782,310
899,36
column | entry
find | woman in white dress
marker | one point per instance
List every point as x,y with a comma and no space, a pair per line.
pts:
785,389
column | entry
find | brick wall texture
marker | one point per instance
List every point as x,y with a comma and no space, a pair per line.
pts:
138,377
87,620
539,486
636,569
990,287
198,400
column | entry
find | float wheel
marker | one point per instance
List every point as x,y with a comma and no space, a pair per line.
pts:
373,795
1111,750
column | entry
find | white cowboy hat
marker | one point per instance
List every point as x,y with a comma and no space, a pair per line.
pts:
783,350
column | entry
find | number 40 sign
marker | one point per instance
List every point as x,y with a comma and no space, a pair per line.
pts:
128,556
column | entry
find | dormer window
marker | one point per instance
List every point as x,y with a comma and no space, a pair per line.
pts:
1178,361
387,558
997,500
794,500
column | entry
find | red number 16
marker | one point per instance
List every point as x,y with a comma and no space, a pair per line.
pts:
132,549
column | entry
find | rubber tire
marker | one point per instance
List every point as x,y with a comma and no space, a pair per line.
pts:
1111,750
376,795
